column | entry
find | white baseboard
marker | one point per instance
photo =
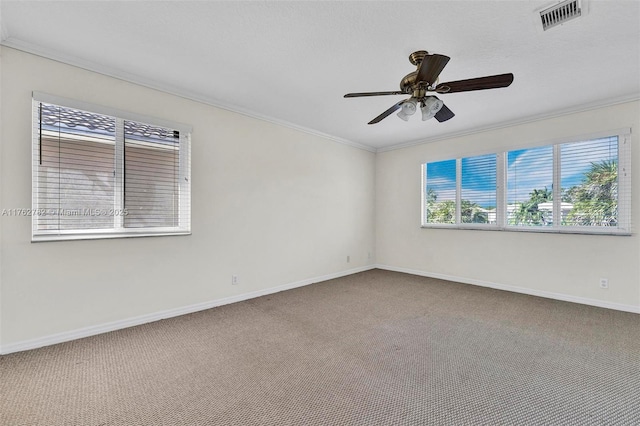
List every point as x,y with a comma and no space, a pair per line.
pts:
156,316
143,319
515,289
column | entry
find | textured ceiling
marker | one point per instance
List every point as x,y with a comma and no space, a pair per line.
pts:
292,62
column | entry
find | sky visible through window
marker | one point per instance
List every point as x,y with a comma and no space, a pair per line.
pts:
479,180
527,169
441,179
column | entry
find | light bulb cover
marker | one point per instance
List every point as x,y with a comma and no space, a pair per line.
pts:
430,107
408,109
404,116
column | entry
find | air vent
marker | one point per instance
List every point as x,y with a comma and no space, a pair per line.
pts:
561,13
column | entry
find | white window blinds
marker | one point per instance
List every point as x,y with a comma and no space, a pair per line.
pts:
589,181
75,163
151,176
440,192
478,198
529,187
581,186
98,175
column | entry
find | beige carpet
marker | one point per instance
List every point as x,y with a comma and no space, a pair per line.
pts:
375,348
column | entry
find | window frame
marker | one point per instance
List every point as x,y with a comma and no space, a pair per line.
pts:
624,227
117,230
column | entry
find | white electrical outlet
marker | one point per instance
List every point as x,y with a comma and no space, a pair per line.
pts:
234,279
348,259
604,283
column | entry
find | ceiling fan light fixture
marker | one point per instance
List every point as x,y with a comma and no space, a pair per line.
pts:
408,109
430,107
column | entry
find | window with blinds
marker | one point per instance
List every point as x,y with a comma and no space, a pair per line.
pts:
152,176
75,162
440,193
529,187
461,191
581,186
101,175
478,196
589,183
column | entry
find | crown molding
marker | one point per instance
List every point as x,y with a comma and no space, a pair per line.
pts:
37,50
531,119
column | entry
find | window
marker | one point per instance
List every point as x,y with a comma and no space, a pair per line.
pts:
589,183
578,186
478,197
99,173
441,192
474,178
529,187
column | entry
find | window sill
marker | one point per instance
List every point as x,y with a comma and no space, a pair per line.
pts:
71,236
546,230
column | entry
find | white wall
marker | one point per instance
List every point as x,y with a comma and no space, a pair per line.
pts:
559,265
273,205
1,245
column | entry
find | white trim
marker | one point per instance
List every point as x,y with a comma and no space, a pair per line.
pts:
80,333
621,131
423,194
625,185
93,234
33,49
112,112
3,35
458,212
624,219
515,289
517,122
118,211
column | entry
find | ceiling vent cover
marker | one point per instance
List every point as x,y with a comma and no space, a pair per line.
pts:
561,13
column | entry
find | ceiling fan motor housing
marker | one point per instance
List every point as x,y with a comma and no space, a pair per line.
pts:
410,84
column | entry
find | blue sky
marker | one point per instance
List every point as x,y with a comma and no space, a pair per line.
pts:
527,169
479,180
441,177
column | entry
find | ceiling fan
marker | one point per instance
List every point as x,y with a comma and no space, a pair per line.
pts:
425,80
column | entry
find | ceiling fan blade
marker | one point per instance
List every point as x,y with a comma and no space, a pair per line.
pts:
480,83
444,114
388,112
358,95
431,67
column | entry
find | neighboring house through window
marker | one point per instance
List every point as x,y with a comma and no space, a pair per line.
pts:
99,173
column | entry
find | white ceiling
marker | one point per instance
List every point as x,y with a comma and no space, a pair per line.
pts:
292,62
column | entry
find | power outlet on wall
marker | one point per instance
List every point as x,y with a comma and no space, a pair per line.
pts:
604,283
234,279
348,259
